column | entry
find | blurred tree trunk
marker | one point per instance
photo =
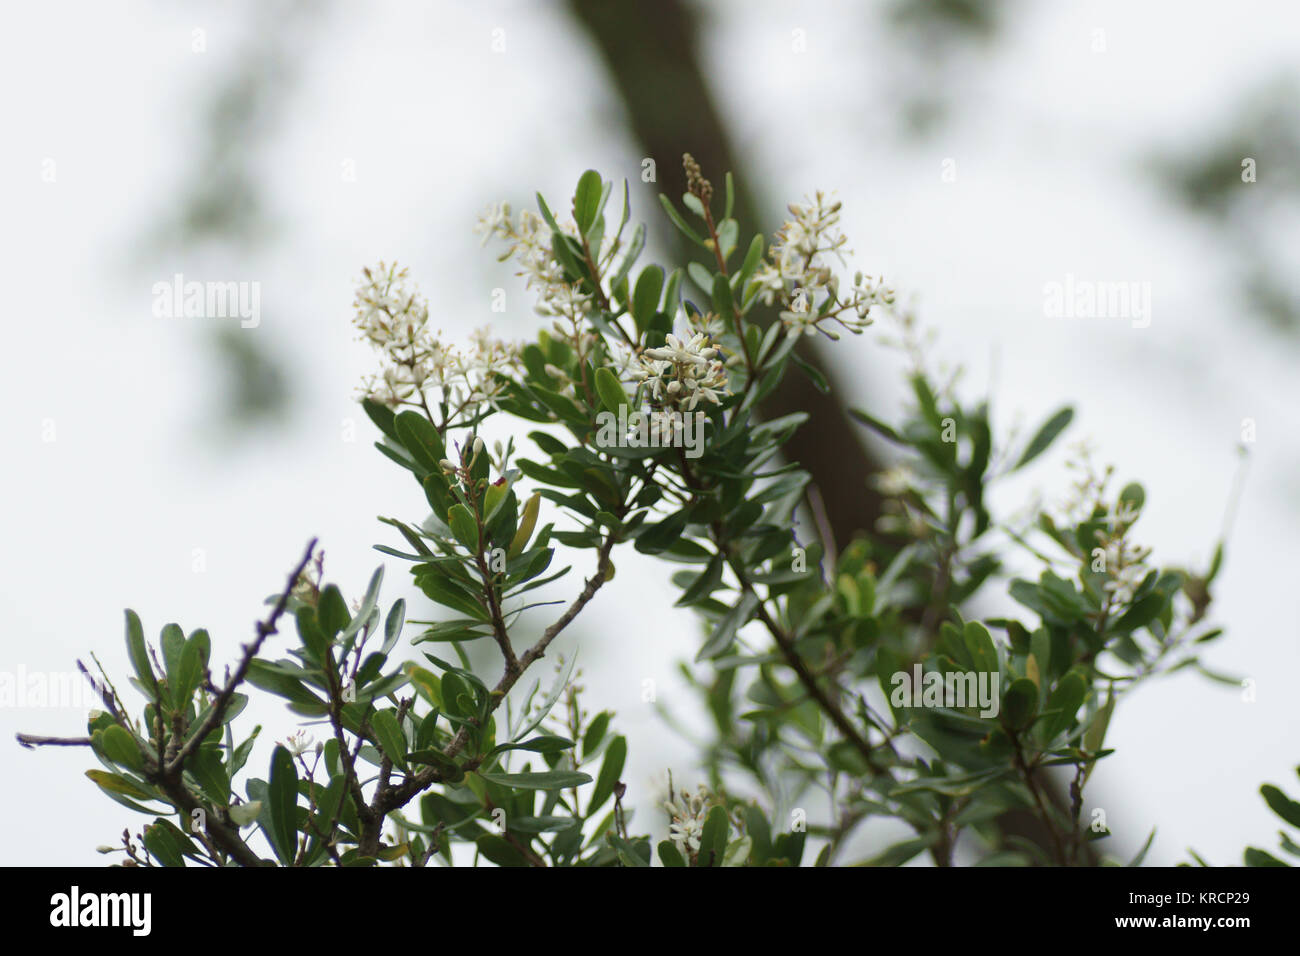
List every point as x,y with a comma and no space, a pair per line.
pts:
652,54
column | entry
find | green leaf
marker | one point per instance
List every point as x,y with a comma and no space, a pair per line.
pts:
679,222
282,793
546,213
552,696
421,439
1020,704
725,632
713,838
388,733
1142,853
900,853
587,200
544,744
723,304
876,425
1045,436
610,391
1143,612
595,732
332,611
1278,802
610,769
1133,495
669,855
120,746
1256,857
463,527
116,785
383,417
243,814
1065,700
497,849
979,644
138,654
367,608
545,780
629,255
450,771
527,522
207,768
660,537
165,847
645,297
1095,735
172,642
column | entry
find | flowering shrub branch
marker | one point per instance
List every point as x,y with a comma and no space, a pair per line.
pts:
856,678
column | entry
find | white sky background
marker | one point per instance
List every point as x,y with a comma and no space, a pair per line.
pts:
1048,138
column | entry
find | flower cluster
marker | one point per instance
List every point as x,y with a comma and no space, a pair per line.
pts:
388,314
1121,559
528,238
1125,561
417,368
680,373
801,280
686,815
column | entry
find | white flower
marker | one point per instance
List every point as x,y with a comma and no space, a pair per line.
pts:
686,815
691,352
387,313
394,319
799,318
1124,585
770,282
1125,566
494,221
298,743
1121,514
681,373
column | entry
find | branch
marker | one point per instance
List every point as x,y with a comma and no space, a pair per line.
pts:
31,741
392,799
219,706
785,643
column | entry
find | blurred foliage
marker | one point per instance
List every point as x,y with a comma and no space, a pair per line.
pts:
937,40
220,210
1251,217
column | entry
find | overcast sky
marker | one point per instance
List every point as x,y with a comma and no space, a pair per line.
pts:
400,122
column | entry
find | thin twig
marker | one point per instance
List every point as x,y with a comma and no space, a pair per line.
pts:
264,630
